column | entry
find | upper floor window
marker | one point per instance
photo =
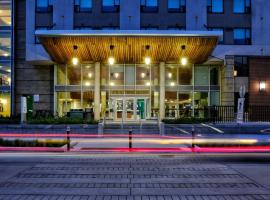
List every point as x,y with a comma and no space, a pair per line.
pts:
215,6
149,5
82,5
242,36
241,66
221,39
177,6
110,5
241,6
44,5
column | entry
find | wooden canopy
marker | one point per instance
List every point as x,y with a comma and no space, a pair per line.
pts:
128,46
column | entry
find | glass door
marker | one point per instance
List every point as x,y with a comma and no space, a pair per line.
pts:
119,106
130,115
141,109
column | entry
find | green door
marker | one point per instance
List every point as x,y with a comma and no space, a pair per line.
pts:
141,108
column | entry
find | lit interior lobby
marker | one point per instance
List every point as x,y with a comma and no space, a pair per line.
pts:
133,75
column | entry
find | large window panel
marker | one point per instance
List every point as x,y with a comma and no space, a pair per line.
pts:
149,5
5,14
176,5
143,75
83,5
215,6
44,5
241,6
185,75
117,75
74,75
201,76
214,98
5,104
130,75
110,5
242,36
88,75
5,46
171,75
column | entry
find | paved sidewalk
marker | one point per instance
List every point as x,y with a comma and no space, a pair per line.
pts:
123,177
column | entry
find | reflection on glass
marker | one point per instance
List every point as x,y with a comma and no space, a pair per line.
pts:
4,104
185,104
88,75
171,104
5,13
74,75
130,109
201,75
200,101
185,75
5,46
116,75
61,74
130,75
155,75
171,75
143,75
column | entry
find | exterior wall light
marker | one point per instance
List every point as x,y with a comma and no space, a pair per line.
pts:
184,61
148,84
111,60
75,61
262,85
111,83
235,73
147,60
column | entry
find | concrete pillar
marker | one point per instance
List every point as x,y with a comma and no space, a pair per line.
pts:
227,82
162,90
97,91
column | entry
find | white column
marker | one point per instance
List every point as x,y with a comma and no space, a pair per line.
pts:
97,91
162,90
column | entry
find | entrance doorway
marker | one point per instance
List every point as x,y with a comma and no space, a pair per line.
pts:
130,108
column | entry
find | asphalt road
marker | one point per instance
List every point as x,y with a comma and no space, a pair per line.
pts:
26,176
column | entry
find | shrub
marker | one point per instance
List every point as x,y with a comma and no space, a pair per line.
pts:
10,120
32,143
61,120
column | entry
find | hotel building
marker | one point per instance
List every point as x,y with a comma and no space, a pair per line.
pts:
133,60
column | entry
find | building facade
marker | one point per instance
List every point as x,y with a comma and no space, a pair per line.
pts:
5,56
138,59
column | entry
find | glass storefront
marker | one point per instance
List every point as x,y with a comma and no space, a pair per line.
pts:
132,92
5,57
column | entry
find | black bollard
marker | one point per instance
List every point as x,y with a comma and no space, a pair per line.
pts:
130,139
193,138
68,138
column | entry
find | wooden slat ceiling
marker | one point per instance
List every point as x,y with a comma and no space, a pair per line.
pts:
129,49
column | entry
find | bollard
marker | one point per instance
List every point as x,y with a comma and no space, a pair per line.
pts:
193,138
68,138
130,139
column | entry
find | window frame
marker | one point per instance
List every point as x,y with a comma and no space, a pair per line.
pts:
247,9
78,8
181,9
115,7
147,9
210,7
48,9
247,41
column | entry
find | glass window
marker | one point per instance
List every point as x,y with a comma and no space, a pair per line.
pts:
143,75
214,76
155,75
171,75
215,6
201,76
44,5
200,101
116,75
61,75
83,6
242,36
241,6
130,75
185,75
88,75
110,5
177,6
241,66
104,75
5,46
74,75
149,5
5,15
185,104
214,98
5,104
